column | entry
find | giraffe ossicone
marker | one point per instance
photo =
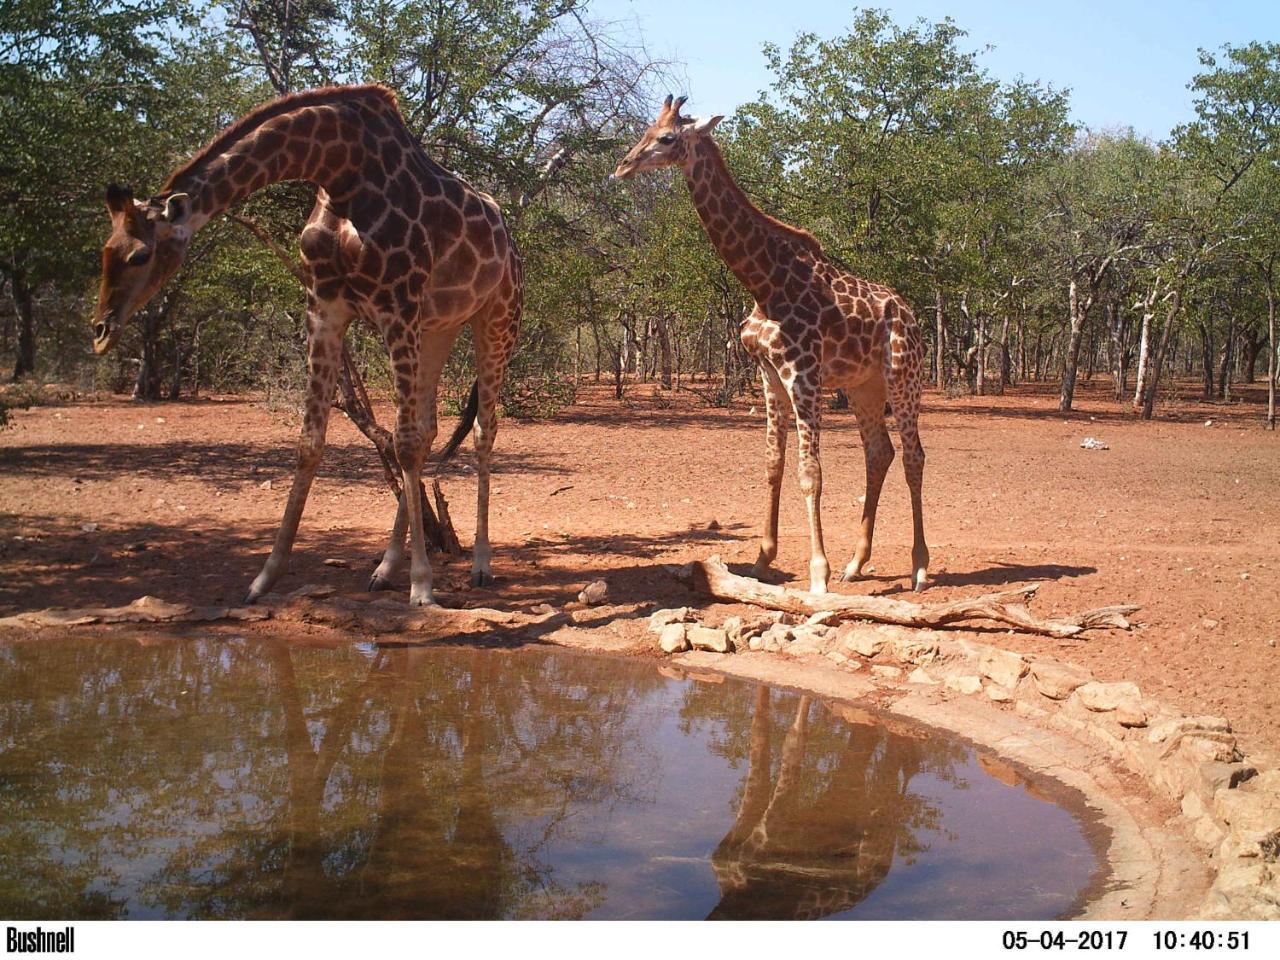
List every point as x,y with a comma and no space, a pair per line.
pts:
814,324
394,239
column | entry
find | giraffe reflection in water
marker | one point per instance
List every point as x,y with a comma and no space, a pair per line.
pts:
815,836
234,778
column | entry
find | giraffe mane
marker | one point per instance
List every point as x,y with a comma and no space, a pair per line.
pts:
274,108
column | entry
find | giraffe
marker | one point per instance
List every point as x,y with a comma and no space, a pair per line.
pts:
394,240
813,324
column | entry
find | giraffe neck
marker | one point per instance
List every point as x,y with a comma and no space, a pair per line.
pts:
749,241
320,137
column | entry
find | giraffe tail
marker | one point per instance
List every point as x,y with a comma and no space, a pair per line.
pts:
464,426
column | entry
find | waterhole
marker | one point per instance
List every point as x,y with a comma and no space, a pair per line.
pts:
216,778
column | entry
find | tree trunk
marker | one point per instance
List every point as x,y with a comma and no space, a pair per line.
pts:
664,347
147,384
1144,348
980,374
1153,386
1006,361
1249,364
1206,359
1272,359
940,339
1072,359
1228,354
1009,607
25,363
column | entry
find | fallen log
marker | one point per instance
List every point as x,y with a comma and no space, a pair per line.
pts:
1009,607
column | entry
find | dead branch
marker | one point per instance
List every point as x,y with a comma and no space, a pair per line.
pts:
713,577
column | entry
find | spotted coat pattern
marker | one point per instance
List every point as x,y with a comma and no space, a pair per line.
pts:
394,240
814,325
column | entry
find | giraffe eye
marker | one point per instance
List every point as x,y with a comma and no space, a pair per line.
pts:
667,138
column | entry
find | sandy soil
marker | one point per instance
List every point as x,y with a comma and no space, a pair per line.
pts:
103,501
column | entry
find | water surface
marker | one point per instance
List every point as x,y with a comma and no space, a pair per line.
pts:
215,778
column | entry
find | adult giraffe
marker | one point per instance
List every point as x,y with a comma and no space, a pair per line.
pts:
813,323
394,239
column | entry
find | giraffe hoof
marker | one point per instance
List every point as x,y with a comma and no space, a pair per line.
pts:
378,582
919,581
250,599
422,600
481,578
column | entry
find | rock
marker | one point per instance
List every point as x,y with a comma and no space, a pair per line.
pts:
1172,730
965,683
1057,681
918,675
1089,443
88,526
335,562
673,639
1131,715
732,628
861,639
713,525
886,672
543,609
777,633
1105,697
820,618
755,643
1206,832
1247,890
707,638
593,593
661,618
916,649
265,485
998,693
1003,667
1209,623
809,639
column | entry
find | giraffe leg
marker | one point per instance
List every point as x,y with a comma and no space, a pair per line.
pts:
877,450
325,329
906,410
776,405
806,399
391,560
434,352
493,352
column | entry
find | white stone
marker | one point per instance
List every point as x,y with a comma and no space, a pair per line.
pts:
661,618
594,592
918,675
998,693
886,672
707,638
673,639
1003,667
965,683
1057,680
1104,697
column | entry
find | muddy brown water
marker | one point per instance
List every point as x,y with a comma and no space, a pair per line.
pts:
215,778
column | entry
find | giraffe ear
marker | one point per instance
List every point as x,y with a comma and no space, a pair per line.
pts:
118,198
705,124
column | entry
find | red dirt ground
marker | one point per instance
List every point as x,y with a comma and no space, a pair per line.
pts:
1177,516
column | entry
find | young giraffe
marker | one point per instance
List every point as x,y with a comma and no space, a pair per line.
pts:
394,239
813,322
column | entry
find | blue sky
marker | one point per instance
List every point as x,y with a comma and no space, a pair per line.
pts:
1126,63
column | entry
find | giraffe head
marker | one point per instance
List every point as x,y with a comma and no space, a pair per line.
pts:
666,142
147,243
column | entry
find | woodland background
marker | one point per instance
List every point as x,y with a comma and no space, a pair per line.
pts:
1030,249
